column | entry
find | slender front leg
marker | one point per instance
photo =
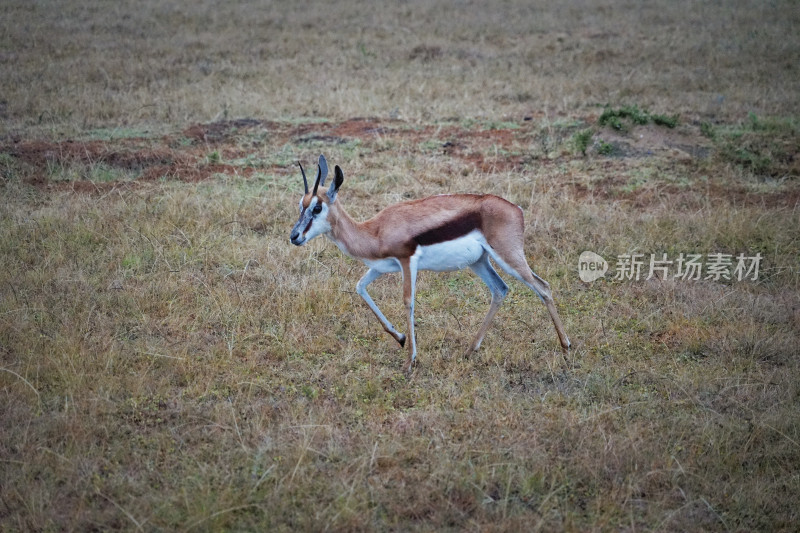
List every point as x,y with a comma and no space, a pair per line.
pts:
361,289
409,267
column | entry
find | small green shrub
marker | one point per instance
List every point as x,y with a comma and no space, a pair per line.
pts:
582,139
605,148
664,120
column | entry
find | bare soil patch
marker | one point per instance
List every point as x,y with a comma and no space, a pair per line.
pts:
649,140
204,150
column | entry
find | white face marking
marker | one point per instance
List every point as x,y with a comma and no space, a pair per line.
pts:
320,223
311,223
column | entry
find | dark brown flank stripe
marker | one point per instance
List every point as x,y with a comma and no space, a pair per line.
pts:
452,229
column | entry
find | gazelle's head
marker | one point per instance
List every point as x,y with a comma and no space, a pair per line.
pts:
315,208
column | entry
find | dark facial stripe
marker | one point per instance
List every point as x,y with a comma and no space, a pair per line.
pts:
452,229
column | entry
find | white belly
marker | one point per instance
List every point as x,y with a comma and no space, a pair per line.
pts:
441,257
452,255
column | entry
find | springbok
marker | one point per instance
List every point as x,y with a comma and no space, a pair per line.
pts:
442,233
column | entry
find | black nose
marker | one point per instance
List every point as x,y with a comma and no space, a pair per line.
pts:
294,236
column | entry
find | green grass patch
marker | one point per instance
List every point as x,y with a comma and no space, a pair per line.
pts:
623,118
763,146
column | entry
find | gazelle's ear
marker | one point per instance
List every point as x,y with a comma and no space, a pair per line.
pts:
323,169
338,179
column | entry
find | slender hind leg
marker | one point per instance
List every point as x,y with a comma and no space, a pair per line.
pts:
515,264
498,289
542,288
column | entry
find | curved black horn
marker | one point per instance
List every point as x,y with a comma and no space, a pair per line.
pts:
303,172
319,176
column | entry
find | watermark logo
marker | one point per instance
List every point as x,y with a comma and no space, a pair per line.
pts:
591,266
690,267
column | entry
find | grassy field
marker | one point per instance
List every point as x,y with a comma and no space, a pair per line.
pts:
169,361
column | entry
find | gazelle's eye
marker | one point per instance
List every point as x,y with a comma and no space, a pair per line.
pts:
317,209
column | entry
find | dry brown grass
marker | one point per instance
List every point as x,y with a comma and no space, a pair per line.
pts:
169,362
90,64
